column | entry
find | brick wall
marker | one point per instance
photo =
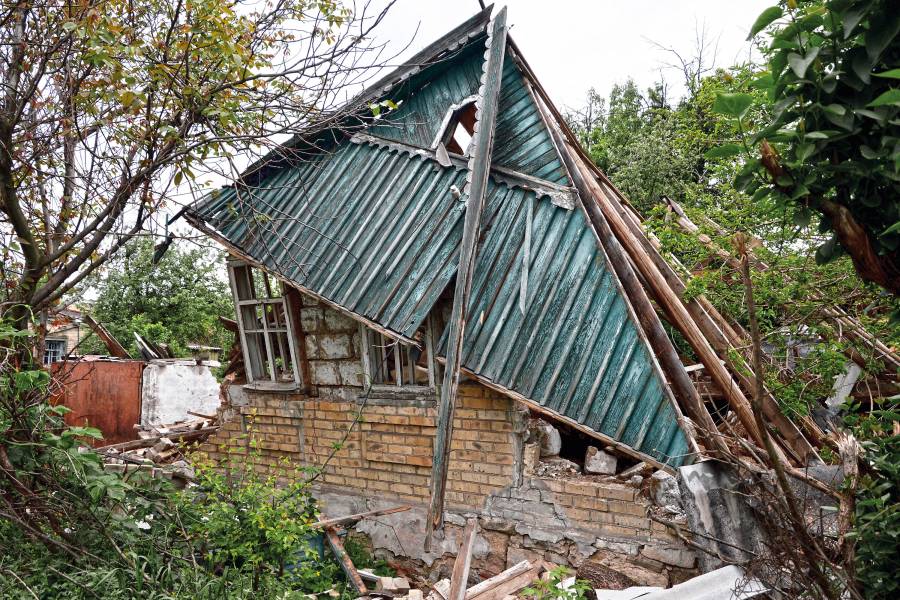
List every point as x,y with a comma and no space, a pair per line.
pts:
381,451
386,446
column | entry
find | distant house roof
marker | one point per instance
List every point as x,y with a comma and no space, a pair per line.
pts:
372,225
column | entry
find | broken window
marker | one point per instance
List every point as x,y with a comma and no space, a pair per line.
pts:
54,350
459,127
389,363
265,326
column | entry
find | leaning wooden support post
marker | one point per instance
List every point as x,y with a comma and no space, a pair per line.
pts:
344,560
460,576
476,187
711,324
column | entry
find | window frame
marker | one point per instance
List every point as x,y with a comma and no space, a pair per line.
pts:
399,388
260,362
450,122
62,345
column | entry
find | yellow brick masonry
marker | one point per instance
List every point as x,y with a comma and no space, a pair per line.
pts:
609,509
387,451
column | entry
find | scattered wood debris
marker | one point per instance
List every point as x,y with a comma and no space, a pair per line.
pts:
498,587
160,446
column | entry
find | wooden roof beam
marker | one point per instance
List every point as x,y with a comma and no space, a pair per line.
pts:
476,188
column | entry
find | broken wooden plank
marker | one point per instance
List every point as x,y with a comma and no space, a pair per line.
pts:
180,436
509,585
460,576
359,516
112,344
489,584
201,415
344,560
476,187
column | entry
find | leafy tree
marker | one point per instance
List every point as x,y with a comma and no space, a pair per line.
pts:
832,145
177,301
111,111
635,139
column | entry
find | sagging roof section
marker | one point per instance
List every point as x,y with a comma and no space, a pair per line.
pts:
574,350
374,227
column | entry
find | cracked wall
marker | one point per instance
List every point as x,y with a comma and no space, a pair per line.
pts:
378,453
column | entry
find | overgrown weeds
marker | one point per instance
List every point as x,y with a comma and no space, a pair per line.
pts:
71,529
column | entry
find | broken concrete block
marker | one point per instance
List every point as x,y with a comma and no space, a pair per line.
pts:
551,442
324,372
665,492
335,345
636,481
395,586
415,595
675,557
598,462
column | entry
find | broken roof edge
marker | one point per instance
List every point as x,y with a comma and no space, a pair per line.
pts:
560,195
240,253
451,41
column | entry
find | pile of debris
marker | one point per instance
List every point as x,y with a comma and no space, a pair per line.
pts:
499,587
161,449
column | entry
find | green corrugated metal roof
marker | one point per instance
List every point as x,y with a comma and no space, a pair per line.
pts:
373,227
370,228
522,142
575,350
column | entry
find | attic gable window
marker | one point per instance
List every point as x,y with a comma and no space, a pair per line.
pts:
265,326
458,127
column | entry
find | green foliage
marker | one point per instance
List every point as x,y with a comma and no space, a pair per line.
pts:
832,137
877,528
176,302
70,528
552,587
246,519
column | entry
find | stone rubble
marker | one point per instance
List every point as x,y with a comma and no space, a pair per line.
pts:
598,462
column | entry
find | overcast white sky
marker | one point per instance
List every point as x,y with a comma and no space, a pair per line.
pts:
574,45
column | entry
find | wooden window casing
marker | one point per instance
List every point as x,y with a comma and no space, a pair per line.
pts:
390,366
266,327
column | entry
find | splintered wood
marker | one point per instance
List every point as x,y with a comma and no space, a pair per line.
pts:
498,587
162,444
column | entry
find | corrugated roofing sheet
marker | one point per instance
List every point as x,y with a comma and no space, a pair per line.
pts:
372,229
522,142
575,350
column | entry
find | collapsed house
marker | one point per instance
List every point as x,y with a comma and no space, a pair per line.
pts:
464,234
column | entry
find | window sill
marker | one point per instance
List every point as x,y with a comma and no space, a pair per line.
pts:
277,387
396,395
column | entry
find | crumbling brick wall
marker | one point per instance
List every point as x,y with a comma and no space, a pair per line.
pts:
385,446
380,451
382,448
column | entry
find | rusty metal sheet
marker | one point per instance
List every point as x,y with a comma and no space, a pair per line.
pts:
102,394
